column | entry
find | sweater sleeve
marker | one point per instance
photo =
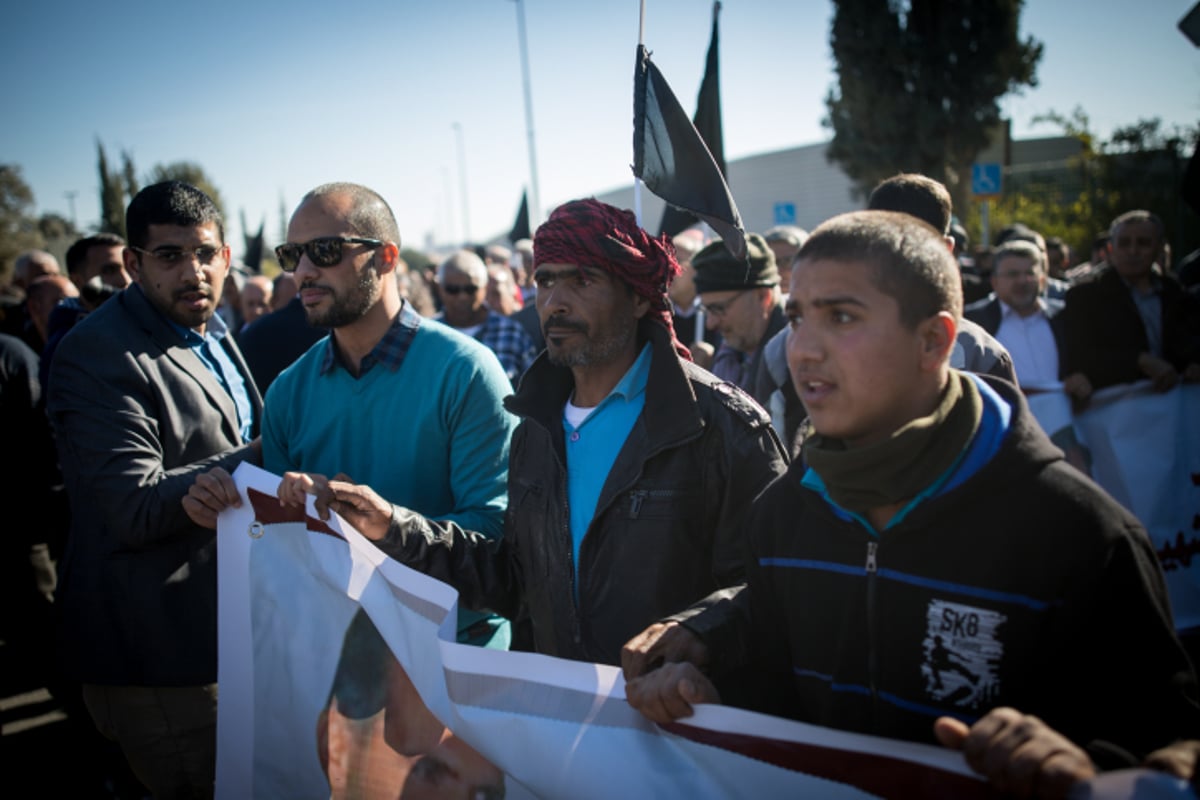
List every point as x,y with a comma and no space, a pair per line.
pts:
480,432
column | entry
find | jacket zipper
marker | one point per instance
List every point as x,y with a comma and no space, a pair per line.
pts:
638,497
635,503
872,649
635,508
577,631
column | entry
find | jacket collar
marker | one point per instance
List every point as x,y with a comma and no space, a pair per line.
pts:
670,413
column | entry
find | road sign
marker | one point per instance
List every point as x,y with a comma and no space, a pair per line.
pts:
785,213
986,179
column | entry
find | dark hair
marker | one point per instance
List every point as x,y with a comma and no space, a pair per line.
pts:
1015,231
170,203
360,682
1020,232
961,240
909,261
370,216
77,252
916,195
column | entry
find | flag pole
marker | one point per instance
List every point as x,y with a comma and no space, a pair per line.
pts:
637,182
535,208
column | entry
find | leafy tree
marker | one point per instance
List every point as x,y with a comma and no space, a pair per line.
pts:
18,226
54,227
918,84
117,188
1139,166
129,173
112,195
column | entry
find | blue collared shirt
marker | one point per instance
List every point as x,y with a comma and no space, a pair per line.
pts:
592,448
210,352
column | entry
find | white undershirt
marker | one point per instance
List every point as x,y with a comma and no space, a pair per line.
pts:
1031,344
575,415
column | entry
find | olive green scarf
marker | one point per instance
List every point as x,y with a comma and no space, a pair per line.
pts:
906,463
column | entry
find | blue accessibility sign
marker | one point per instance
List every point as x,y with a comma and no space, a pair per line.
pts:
785,213
986,179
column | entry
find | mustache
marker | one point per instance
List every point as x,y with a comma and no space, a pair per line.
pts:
565,324
203,289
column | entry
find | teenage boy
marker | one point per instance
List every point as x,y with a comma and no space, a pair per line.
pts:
932,558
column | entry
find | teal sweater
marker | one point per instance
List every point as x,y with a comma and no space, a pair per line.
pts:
430,434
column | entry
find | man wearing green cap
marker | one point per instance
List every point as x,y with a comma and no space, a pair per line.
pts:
741,299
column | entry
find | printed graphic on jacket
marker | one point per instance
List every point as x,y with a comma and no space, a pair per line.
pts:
961,653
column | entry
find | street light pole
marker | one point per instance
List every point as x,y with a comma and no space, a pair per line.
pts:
462,174
450,232
535,208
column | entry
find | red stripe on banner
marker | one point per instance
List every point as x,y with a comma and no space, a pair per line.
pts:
880,775
268,510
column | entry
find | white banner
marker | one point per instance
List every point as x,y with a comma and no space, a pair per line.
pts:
313,706
1145,449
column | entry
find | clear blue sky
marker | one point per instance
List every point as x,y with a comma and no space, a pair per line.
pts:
273,98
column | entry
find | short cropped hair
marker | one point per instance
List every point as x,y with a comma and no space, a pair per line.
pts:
1020,232
466,262
909,261
1138,215
791,234
1018,248
916,195
370,217
169,203
77,252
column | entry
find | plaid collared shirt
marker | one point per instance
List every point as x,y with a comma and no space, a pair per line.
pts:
390,350
508,340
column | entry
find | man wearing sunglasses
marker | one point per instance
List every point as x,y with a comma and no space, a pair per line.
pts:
148,391
389,398
632,468
462,283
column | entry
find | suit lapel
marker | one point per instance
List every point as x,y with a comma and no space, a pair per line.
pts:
174,348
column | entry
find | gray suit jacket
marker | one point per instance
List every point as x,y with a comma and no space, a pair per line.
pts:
137,416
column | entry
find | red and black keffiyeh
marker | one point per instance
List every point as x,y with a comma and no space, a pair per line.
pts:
595,234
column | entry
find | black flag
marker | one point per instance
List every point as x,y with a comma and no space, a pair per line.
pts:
673,161
708,124
520,228
254,247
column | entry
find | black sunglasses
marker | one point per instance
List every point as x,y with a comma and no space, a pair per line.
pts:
469,288
323,252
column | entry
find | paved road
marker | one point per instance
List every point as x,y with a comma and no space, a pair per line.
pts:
56,751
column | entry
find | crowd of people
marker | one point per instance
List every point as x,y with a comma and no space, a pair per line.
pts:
813,482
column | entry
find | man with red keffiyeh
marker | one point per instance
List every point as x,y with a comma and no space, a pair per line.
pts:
629,474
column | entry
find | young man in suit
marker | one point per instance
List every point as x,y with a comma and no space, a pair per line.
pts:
146,392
